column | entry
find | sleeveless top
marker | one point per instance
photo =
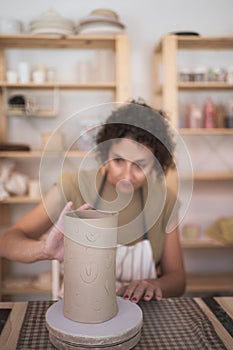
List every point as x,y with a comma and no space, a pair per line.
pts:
83,187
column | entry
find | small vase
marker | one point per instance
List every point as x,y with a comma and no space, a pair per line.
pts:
89,266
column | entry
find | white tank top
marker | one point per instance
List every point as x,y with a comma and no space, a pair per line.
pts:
134,262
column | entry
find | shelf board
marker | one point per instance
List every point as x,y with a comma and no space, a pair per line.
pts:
203,131
205,243
192,86
204,43
20,154
46,113
209,282
39,153
20,200
24,41
24,285
204,85
91,85
185,42
211,176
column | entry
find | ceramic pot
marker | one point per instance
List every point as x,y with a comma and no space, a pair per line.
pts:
89,266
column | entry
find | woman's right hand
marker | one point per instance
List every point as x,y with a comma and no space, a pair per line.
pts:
137,290
53,245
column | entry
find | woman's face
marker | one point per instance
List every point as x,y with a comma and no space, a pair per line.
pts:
129,163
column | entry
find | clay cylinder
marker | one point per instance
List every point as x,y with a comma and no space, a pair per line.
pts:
89,266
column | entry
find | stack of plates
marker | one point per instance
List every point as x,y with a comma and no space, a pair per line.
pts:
100,21
51,22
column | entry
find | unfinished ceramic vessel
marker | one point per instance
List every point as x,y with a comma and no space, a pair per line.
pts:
89,266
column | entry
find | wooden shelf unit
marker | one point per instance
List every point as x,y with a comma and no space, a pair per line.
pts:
56,41
205,243
209,283
118,43
166,93
61,85
197,86
165,55
199,43
39,153
29,287
20,200
205,85
202,131
211,176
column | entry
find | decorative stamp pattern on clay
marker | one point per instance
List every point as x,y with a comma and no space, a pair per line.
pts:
89,273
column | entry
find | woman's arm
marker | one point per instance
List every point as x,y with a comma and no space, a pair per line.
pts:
21,242
172,281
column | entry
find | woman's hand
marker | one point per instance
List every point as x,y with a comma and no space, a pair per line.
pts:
141,289
53,245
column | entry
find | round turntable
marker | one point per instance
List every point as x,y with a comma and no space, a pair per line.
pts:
120,332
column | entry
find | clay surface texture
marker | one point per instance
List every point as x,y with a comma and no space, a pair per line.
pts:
89,266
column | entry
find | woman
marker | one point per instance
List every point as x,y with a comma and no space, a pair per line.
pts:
135,147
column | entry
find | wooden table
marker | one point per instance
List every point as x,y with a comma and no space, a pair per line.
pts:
187,323
226,303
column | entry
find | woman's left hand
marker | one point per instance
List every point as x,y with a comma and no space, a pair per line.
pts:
53,246
141,289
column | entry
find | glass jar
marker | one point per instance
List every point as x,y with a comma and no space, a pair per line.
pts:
199,74
185,74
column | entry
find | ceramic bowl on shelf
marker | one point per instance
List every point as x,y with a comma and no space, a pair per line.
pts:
191,232
51,22
10,26
102,28
100,21
105,12
50,30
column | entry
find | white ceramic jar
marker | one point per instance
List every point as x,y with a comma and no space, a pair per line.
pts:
24,72
11,76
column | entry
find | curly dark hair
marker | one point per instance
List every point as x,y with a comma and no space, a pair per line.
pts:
143,124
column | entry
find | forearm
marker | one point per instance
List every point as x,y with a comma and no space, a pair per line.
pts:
23,243
172,284
172,280
15,245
